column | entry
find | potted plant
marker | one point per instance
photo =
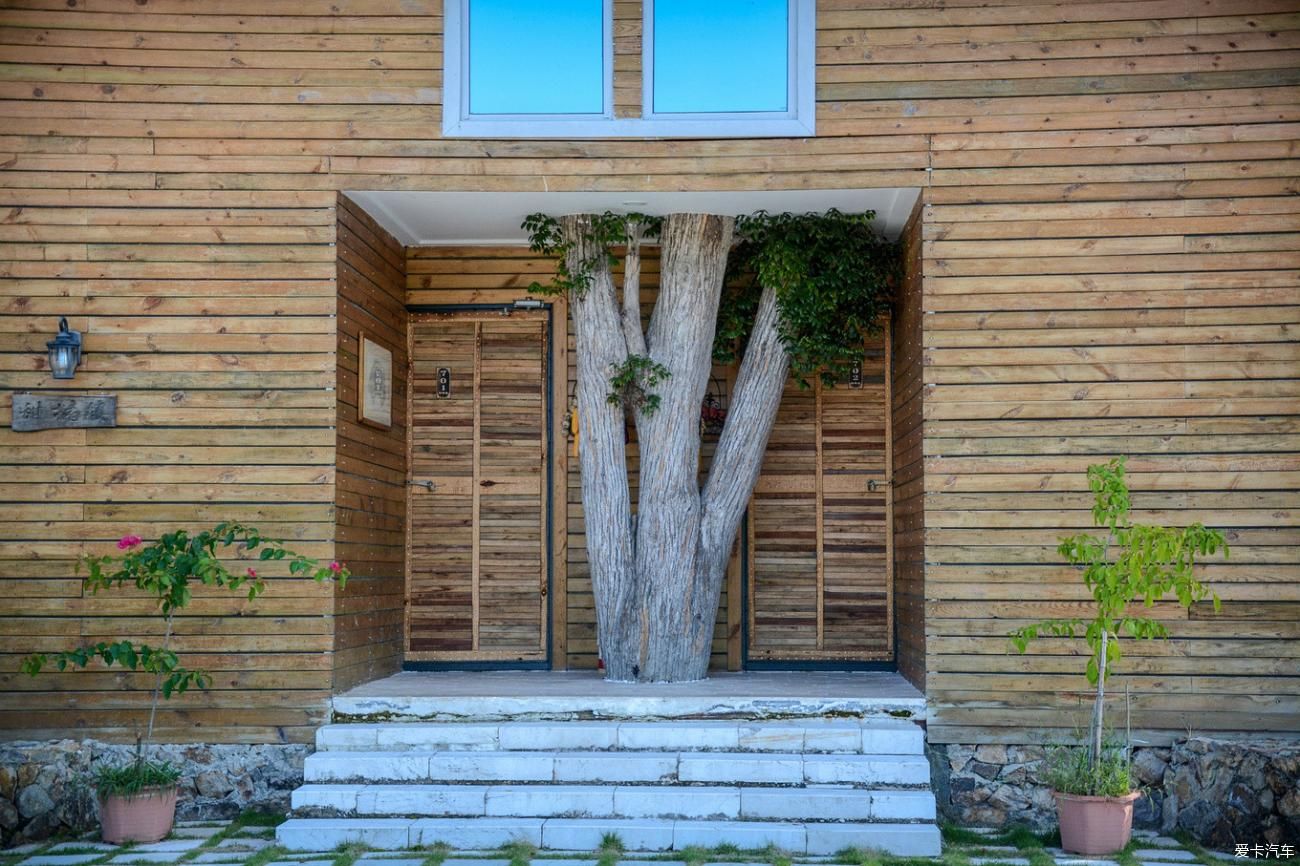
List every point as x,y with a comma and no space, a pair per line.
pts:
1132,563
137,801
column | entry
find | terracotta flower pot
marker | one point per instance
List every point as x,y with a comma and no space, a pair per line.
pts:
1095,825
143,817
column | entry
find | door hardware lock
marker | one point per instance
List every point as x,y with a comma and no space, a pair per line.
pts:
427,485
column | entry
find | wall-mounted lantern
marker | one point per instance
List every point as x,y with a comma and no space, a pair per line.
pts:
65,351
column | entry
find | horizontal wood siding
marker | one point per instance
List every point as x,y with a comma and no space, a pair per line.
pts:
908,488
370,490
1109,264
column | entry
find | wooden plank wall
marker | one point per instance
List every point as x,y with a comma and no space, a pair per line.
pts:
908,487
370,486
1110,263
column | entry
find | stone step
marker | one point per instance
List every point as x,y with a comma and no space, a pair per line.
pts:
874,736
636,801
730,768
325,834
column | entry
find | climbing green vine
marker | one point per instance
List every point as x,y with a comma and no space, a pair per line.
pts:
608,230
834,277
633,380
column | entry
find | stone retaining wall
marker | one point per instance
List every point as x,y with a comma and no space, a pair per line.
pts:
45,787
1221,791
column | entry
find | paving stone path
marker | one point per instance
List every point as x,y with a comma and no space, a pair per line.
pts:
236,844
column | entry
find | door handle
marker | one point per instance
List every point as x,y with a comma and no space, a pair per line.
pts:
427,485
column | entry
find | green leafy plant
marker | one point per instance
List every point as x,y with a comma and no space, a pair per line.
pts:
166,570
1132,563
1072,771
608,230
129,779
632,383
833,275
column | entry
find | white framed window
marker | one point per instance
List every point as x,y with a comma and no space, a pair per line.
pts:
544,69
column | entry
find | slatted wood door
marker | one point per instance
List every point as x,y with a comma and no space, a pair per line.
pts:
819,554
478,508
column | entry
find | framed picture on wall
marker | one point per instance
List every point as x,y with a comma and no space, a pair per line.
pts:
375,385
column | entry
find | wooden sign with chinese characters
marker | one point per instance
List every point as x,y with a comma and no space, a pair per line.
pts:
50,411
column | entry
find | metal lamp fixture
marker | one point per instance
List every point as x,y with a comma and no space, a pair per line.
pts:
65,351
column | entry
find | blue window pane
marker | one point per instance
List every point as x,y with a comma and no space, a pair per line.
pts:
721,55
536,57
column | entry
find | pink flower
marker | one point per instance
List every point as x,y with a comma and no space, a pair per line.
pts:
336,567
128,541
252,572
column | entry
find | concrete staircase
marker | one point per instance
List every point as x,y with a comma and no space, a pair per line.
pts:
806,785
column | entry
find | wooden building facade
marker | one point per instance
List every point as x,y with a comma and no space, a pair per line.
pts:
1104,259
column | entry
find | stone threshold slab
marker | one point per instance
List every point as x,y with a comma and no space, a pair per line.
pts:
538,695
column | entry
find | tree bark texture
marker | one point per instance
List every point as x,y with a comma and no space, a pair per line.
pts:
658,579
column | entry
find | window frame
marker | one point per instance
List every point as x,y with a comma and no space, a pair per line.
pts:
798,121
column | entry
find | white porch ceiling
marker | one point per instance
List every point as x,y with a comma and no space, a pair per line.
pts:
425,218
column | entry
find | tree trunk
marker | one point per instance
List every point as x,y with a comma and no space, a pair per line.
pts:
606,501
1098,708
657,579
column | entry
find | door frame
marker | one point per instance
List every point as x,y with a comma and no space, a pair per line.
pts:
831,664
554,354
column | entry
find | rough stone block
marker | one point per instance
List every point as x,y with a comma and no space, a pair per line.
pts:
902,806
735,768
326,834
903,840
476,833
585,736
365,766
340,797
866,769
586,833
829,804
650,802
551,801
678,736
833,735
430,800
492,766
439,737
770,737
742,834
347,737
903,739
615,766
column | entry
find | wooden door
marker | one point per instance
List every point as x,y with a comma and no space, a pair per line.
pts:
478,515
819,552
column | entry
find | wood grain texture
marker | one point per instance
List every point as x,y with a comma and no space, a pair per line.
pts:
370,482
1108,259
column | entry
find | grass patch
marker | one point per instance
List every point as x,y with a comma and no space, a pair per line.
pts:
347,853
726,851
266,855
775,856
519,852
693,855
437,852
